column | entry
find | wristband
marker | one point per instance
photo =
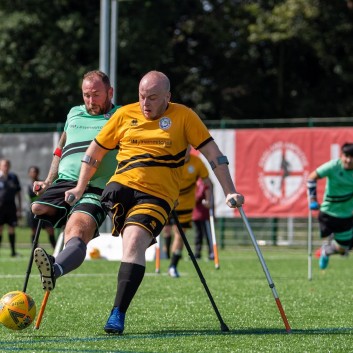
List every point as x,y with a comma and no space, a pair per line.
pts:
311,185
90,161
58,152
220,160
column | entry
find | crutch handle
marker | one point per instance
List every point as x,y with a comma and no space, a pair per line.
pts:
233,202
71,198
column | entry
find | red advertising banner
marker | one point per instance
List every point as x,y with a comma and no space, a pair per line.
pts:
272,166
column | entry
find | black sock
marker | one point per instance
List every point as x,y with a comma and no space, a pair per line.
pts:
12,239
129,279
0,239
175,259
168,243
71,257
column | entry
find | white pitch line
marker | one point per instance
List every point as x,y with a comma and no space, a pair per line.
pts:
87,275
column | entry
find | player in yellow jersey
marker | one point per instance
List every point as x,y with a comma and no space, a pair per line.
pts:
152,136
194,169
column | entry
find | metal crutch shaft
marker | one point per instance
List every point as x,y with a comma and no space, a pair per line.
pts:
263,264
34,245
224,327
214,240
42,308
310,240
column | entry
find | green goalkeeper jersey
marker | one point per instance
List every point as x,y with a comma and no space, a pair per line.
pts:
81,128
338,196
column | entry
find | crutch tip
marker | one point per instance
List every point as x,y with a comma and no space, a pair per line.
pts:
224,327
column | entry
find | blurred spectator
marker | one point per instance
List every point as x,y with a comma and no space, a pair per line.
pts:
10,191
201,218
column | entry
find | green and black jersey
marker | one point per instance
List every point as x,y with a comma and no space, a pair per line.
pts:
81,128
338,197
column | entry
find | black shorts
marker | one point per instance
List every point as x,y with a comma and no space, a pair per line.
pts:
8,215
129,206
185,218
185,223
89,203
341,228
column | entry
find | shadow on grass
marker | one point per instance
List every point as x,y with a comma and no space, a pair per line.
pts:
250,331
167,334
313,331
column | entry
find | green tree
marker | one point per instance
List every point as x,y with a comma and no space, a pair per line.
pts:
45,48
227,59
302,48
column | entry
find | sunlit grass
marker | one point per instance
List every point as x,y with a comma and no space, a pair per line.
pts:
175,315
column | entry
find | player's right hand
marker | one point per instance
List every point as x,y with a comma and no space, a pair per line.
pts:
235,200
314,205
39,187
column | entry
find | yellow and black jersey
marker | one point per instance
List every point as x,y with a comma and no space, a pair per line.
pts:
152,152
194,169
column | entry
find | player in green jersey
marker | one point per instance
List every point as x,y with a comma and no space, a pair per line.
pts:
336,211
82,219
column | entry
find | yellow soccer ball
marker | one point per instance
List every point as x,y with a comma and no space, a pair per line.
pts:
94,253
17,310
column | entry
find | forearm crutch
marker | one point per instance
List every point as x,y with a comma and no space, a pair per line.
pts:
158,254
42,308
310,241
214,239
34,245
224,327
267,273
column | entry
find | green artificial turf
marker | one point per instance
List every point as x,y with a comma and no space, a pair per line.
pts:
175,315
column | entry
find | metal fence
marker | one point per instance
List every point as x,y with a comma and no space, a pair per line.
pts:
211,124
278,123
291,232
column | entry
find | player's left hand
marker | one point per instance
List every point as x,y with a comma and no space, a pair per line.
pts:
73,195
314,205
235,200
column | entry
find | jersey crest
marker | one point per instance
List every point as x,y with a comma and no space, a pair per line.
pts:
191,169
165,123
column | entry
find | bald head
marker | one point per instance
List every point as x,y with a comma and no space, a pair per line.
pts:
154,94
156,79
